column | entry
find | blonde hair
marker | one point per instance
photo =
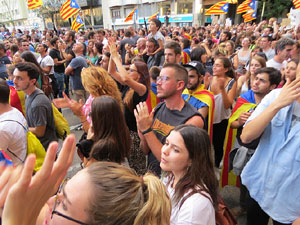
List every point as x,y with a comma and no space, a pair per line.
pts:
97,82
121,197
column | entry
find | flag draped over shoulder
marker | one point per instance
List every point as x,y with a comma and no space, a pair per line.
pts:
152,99
296,4
130,16
33,4
17,99
244,7
218,8
77,23
154,16
206,97
68,9
244,103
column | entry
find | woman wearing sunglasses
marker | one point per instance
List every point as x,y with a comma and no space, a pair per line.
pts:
134,86
187,160
103,193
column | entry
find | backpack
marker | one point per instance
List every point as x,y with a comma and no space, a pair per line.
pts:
46,86
223,215
61,124
34,146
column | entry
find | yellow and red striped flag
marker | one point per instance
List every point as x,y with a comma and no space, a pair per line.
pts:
232,1
68,9
130,16
33,4
154,16
250,15
296,4
218,8
244,7
77,23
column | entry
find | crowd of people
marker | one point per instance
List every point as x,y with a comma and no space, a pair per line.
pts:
167,114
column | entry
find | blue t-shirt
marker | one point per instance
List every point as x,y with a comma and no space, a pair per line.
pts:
77,64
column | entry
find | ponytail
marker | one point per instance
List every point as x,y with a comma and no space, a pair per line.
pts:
157,207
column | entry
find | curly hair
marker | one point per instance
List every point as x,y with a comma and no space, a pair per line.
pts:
97,82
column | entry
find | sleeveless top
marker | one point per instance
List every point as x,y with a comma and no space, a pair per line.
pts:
164,120
220,112
244,59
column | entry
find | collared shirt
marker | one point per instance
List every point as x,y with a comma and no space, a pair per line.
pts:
272,174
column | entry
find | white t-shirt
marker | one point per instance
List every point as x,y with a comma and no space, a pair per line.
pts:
276,65
13,136
196,209
46,61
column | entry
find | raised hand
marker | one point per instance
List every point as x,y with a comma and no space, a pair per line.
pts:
29,194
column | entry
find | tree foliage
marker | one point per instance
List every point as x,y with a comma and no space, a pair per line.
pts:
275,8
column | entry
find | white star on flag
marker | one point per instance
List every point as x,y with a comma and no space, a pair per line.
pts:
73,3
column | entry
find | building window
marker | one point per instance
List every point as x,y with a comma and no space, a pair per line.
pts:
128,11
115,13
98,16
184,6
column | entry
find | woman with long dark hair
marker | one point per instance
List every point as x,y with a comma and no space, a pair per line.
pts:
190,179
134,86
108,138
223,86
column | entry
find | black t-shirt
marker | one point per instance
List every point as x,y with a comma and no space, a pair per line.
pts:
70,51
129,115
55,54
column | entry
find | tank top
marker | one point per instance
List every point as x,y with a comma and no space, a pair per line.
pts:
165,120
244,59
221,112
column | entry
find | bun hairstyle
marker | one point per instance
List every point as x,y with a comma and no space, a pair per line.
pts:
121,197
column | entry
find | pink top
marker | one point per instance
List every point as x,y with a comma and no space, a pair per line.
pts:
86,109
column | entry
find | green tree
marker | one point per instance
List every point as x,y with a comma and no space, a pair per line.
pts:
275,8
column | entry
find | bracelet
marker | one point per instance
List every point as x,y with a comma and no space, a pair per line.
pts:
147,131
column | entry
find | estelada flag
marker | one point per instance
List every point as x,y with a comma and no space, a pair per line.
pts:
77,23
154,16
250,15
68,9
245,103
296,4
17,99
206,97
245,6
33,4
5,159
130,16
152,99
218,8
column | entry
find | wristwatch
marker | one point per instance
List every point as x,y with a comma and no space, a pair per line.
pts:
147,131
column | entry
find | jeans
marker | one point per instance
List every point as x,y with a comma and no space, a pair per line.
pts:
60,79
67,87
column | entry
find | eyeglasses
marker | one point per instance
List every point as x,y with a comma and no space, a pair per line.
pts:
56,203
162,79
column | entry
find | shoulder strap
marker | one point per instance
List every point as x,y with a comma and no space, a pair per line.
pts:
16,122
7,148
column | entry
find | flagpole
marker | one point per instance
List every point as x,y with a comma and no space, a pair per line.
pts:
263,11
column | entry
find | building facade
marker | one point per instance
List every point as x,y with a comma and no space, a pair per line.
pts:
179,12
